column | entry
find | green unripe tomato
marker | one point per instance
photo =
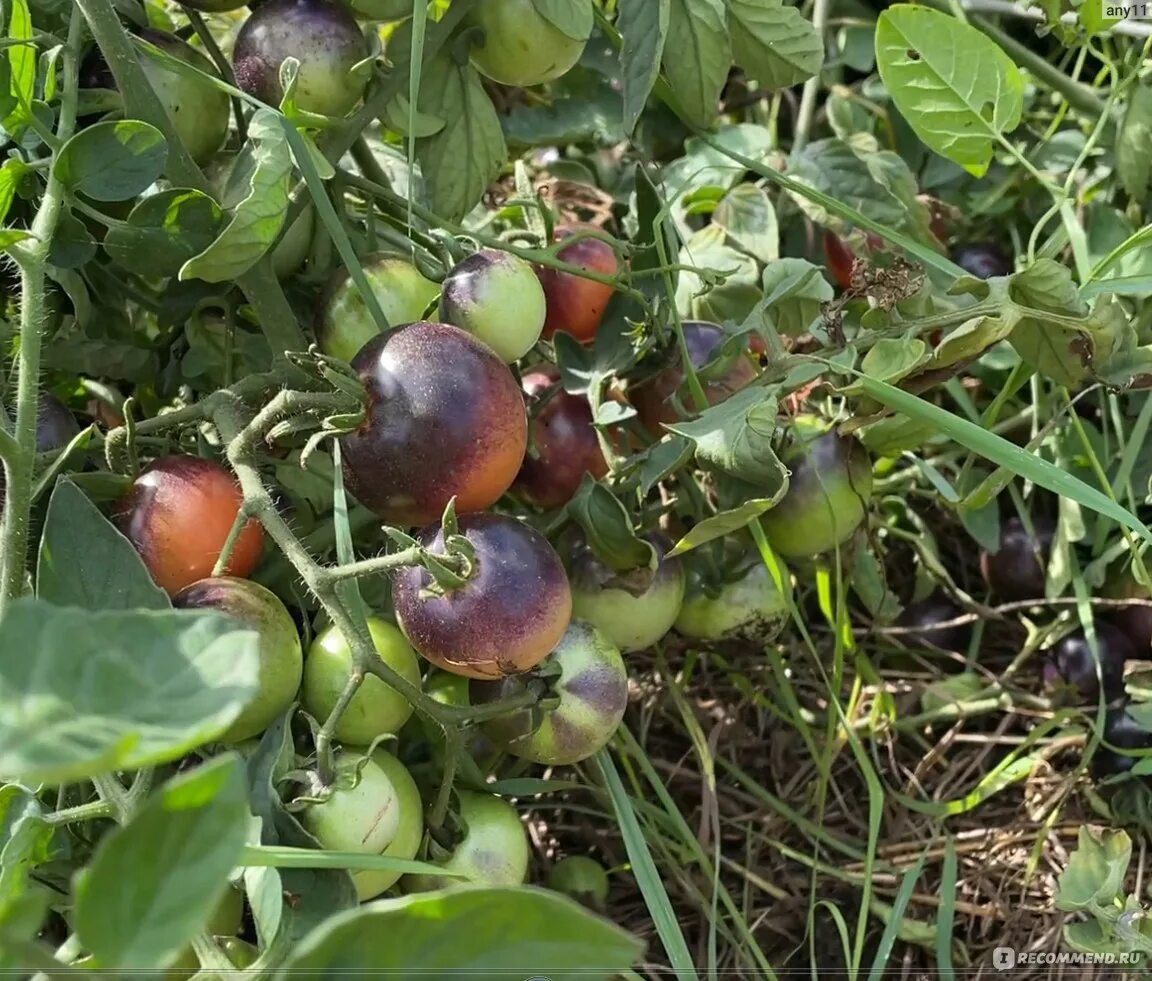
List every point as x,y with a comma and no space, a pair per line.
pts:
376,709
199,111
344,324
498,299
241,953
228,915
362,814
581,878
494,850
406,842
749,608
281,656
827,497
521,47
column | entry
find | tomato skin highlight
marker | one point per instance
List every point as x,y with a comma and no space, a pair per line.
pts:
576,305
376,708
520,47
281,656
178,513
505,619
564,442
446,419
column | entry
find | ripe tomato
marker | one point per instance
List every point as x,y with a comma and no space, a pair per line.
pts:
592,687
505,619
179,512
562,445
1018,569
376,708
576,305
281,657
362,814
406,842
520,47
445,419
492,852
839,259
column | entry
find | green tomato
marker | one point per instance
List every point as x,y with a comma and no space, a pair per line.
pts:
200,112
521,47
581,878
498,299
409,834
494,850
241,953
749,607
344,324
362,813
281,657
228,915
376,709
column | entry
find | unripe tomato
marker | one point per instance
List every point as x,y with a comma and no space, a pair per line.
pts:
445,419
576,305
344,324
376,709
323,36
496,297
406,842
179,512
241,953
592,687
281,657
562,448
520,47
505,618
493,851
633,610
749,607
362,813
827,496
582,878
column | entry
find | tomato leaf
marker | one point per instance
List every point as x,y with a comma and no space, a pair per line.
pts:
129,689
608,527
164,231
794,294
699,298
257,219
10,175
697,56
643,24
468,931
84,561
176,852
21,65
1134,143
725,523
956,87
747,215
112,161
1095,871
571,17
773,42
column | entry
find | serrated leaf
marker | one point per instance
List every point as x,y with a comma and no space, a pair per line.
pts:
774,44
256,221
955,86
747,215
112,161
697,56
164,231
643,24
1134,142
570,17
461,159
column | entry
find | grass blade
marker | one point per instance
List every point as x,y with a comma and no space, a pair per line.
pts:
895,918
945,913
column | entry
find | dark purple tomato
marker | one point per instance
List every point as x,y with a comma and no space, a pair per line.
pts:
983,260
653,399
563,446
592,688
1074,667
577,305
505,619
1018,570
179,512
1122,731
445,419
1135,621
56,427
925,614
322,35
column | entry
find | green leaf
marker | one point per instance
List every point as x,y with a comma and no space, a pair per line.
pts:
571,17
747,215
10,176
112,161
1096,869
794,294
72,245
773,42
25,843
164,231
722,524
128,689
1134,143
608,527
735,437
21,74
697,56
955,86
460,161
256,221
893,358
643,25
84,561
971,339
154,882
10,236
735,297
468,931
